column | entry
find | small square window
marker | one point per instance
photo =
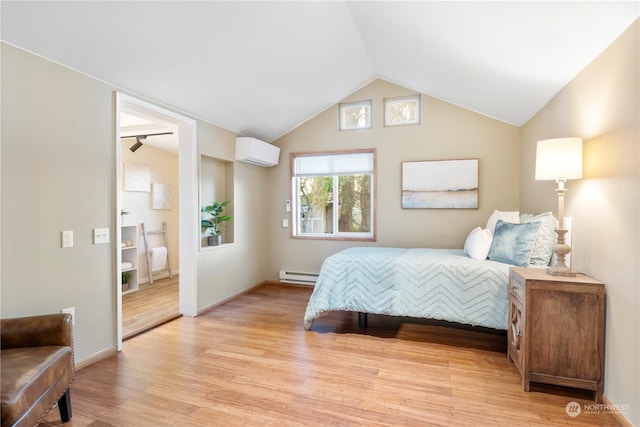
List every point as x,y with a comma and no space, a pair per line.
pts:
402,111
355,115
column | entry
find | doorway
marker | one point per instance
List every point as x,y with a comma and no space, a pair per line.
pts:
147,134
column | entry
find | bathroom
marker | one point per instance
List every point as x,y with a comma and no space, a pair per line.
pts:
149,222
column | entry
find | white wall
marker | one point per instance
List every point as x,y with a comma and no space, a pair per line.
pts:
229,269
446,132
601,105
58,173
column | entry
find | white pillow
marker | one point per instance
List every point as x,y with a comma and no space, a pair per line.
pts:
525,217
546,238
478,243
507,216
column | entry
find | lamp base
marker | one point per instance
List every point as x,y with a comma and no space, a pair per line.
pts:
561,249
559,271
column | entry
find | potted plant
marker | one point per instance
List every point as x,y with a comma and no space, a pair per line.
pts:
125,280
215,223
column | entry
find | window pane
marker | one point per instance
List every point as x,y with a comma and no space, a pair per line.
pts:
354,193
355,115
402,111
315,201
333,194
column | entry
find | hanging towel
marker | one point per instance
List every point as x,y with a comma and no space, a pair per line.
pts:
158,258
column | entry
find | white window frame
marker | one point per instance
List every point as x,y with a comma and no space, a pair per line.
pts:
343,107
388,102
335,235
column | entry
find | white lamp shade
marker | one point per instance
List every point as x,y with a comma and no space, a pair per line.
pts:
559,158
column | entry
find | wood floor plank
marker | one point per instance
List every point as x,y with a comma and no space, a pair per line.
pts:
250,362
152,305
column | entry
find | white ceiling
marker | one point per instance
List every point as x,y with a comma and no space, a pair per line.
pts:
156,132
262,68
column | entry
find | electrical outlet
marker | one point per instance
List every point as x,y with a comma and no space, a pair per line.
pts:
66,239
100,236
71,311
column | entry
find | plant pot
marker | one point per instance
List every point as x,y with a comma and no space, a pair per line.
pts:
214,240
125,287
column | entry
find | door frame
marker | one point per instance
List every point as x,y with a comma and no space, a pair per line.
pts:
188,211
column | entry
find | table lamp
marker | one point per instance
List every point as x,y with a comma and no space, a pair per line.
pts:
559,159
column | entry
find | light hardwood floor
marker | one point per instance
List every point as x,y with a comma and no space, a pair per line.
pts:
250,362
153,304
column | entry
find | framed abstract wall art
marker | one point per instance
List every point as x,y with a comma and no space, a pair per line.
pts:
161,196
440,184
137,177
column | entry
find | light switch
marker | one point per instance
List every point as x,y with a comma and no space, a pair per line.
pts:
100,236
66,239
285,222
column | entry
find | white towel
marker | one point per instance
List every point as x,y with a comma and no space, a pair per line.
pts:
126,265
158,258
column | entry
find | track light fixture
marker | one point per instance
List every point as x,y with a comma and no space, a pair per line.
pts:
138,143
141,138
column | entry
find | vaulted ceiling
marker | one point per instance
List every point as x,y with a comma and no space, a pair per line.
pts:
262,68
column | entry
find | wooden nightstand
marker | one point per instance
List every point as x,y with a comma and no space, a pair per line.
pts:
556,329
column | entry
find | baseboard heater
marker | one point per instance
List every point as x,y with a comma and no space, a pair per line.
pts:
298,277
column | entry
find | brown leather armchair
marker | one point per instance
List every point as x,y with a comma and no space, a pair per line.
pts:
37,368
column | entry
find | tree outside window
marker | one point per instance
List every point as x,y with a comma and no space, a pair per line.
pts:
335,179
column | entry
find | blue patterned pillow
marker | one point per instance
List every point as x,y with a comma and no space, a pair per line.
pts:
512,243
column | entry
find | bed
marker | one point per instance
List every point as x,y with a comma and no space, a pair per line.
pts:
441,284
467,286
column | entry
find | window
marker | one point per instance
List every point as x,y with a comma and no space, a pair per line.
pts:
402,111
333,195
355,115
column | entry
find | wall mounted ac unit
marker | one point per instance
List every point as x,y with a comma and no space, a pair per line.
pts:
256,152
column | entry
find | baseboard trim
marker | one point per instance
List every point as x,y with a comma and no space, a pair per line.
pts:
101,355
300,285
618,415
230,297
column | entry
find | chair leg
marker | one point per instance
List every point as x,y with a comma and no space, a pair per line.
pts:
64,405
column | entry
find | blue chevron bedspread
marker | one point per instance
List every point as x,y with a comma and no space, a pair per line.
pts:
442,284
